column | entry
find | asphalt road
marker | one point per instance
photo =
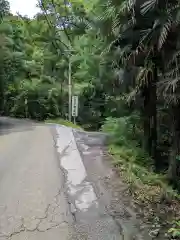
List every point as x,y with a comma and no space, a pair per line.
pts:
32,200
52,185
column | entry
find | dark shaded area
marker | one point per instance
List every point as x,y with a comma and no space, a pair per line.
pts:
9,125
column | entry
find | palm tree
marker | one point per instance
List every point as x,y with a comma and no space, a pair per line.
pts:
144,35
127,30
165,38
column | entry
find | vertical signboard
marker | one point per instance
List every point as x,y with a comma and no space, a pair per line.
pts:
75,103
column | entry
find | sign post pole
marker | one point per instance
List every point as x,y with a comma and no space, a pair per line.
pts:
70,90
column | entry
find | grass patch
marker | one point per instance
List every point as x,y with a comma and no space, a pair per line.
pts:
146,186
63,122
151,195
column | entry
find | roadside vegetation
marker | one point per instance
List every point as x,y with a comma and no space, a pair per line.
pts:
124,58
152,195
63,122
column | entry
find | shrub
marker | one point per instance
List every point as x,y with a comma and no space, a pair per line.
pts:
125,134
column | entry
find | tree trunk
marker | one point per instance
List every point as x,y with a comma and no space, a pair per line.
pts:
146,122
175,148
153,124
150,116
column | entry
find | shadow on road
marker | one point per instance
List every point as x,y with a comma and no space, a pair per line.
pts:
9,125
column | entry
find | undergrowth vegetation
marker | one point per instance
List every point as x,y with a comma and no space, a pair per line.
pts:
129,157
150,191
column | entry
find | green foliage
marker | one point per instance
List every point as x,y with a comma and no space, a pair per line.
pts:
125,134
135,166
63,122
34,100
175,231
123,129
91,107
4,9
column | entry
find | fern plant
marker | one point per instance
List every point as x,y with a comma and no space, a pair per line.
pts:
175,231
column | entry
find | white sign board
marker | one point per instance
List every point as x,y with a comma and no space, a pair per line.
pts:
75,103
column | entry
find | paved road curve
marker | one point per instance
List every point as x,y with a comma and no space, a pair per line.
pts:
52,187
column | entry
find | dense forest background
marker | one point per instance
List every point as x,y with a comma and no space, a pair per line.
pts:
125,62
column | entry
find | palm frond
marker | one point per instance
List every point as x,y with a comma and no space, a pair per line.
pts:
173,58
115,24
109,13
174,72
164,33
148,6
131,4
168,84
132,95
141,78
123,8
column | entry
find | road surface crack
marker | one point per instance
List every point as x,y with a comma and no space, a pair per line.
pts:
62,154
44,223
